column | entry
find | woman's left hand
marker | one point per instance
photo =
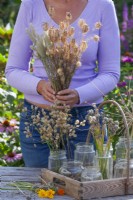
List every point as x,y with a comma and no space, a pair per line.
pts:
68,97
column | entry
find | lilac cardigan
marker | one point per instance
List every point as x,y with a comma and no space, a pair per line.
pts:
91,85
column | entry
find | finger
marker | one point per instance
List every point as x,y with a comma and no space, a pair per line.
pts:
48,94
50,90
64,98
51,96
64,92
47,97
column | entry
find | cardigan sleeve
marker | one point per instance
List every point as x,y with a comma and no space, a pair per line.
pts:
20,53
108,58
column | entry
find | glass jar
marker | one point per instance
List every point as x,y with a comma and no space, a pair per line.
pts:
72,169
84,153
121,148
110,149
120,168
56,160
104,163
91,174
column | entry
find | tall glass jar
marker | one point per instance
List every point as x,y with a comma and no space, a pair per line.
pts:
120,168
121,148
91,174
56,159
85,154
72,169
105,164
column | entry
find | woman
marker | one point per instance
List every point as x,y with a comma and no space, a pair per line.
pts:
87,85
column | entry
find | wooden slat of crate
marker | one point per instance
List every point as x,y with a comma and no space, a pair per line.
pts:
93,189
105,188
71,187
130,189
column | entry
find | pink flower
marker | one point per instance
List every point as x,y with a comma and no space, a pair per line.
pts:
122,37
8,126
12,157
127,59
129,77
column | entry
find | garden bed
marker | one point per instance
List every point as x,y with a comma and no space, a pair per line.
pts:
92,189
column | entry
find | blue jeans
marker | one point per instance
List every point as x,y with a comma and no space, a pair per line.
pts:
35,154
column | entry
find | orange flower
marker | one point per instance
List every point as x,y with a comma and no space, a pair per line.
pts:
60,191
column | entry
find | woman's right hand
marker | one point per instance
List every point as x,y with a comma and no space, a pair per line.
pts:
44,88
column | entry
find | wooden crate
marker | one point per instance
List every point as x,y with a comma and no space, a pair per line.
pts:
87,190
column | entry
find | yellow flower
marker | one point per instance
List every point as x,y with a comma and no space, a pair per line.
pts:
42,193
50,193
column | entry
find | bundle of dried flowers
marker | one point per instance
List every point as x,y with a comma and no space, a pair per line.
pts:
99,122
53,127
59,51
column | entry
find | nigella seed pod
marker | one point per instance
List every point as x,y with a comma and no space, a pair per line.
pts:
53,39
45,26
96,38
51,32
85,28
51,10
81,22
71,31
68,16
73,42
64,34
60,72
63,39
98,25
62,25
78,64
83,45
57,34
76,50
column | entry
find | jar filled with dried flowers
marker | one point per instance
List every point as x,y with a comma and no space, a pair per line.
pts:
104,162
99,123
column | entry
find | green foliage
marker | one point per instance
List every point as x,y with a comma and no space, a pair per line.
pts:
5,37
8,11
10,100
9,142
